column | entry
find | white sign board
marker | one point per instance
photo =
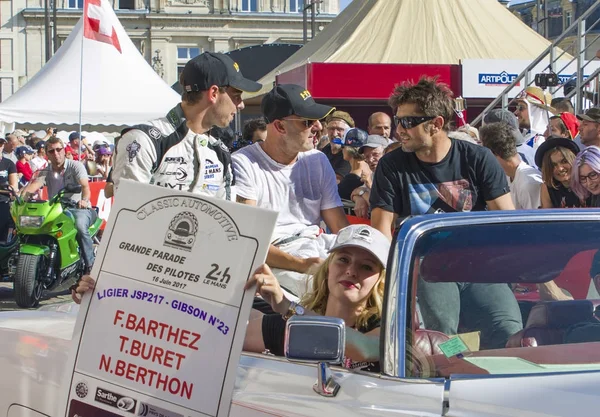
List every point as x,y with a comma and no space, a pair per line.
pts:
487,78
162,332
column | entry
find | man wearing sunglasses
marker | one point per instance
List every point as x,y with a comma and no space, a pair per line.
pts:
59,173
286,174
432,173
176,151
533,112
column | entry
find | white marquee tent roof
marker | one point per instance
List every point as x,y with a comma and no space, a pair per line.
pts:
417,32
118,88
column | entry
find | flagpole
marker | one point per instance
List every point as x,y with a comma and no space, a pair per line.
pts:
81,81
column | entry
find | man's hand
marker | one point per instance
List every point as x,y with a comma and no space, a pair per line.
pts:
361,207
366,179
82,204
86,284
311,265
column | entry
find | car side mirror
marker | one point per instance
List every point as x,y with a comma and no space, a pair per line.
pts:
317,339
73,188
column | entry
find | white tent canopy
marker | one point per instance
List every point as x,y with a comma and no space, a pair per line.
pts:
118,89
417,32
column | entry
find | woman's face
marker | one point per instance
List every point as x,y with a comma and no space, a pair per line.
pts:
561,168
353,272
589,179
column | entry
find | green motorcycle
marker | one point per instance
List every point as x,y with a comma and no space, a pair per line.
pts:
48,257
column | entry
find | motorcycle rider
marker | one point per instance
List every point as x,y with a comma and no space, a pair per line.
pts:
8,176
176,151
58,174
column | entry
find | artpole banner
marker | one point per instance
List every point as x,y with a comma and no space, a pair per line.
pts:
162,332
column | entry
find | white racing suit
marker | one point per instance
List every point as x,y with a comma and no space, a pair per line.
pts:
165,152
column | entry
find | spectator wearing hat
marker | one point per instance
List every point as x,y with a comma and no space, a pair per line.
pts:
100,166
337,124
524,181
565,125
533,112
212,86
21,136
373,149
286,174
589,128
556,157
380,124
24,155
354,139
39,161
78,147
525,151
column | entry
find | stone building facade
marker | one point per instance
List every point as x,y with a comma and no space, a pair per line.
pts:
167,32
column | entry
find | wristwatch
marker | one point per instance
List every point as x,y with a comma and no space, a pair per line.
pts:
361,192
294,310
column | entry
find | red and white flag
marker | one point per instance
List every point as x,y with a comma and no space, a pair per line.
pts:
98,22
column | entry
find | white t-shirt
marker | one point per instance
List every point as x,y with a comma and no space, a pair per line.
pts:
525,187
299,192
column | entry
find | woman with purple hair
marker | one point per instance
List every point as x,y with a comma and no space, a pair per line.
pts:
586,179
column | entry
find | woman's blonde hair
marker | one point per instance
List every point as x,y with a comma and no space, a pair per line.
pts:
548,168
316,299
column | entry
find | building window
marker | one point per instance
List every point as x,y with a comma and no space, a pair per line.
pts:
568,19
75,4
296,6
249,5
184,54
126,4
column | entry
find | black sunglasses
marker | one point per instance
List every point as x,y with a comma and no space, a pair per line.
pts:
408,122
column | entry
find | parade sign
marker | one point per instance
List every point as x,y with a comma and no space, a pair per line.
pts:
162,332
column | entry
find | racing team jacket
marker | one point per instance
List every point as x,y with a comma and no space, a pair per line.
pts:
165,152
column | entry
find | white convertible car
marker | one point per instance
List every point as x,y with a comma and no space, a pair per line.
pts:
464,332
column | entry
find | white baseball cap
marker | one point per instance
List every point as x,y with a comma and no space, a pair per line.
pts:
365,237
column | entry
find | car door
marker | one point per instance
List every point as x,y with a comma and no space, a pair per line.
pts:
270,386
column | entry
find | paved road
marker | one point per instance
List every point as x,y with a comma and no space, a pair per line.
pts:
7,299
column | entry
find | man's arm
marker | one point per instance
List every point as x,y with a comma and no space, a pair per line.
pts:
504,202
13,181
335,219
276,258
383,221
134,157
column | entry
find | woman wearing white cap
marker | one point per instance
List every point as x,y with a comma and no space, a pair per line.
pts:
348,285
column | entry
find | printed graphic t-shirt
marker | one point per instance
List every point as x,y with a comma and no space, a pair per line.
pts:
467,177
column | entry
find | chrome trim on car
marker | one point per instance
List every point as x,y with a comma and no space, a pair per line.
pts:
394,327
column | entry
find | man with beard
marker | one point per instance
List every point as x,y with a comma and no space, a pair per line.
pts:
337,124
533,113
286,174
432,173
176,151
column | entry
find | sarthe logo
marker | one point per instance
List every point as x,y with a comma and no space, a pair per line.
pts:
182,231
115,400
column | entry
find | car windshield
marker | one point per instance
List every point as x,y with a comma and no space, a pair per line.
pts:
505,299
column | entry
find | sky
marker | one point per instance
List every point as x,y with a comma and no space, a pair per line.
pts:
344,3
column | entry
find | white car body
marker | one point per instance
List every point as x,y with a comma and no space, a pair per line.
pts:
34,347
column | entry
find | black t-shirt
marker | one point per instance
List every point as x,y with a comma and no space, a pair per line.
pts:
273,332
340,165
348,184
467,177
563,197
7,167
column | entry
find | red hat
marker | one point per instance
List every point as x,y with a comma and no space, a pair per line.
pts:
571,123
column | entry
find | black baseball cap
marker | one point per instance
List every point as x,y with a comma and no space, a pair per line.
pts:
211,68
291,99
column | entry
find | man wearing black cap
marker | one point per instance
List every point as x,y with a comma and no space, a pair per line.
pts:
589,130
176,151
284,173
